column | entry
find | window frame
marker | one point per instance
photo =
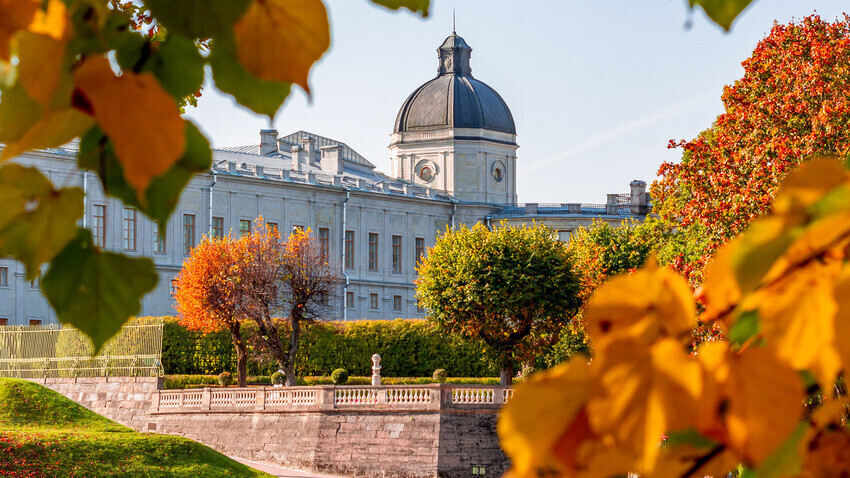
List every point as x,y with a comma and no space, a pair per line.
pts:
396,250
158,238
217,227
418,249
349,299
348,239
4,276
374,301
397,303
188,234
98,224
243,230
374,239
324,242
130,229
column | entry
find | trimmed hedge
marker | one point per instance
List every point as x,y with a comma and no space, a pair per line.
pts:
408,348
199,381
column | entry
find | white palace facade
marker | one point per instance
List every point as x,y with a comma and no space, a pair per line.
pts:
453,162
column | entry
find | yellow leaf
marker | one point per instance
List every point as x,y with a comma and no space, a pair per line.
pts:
15,15
797,317
53,21
140,118
644,393
765,399
279,40
720,290
539,413
650,303
826,454
842,319
805,185
41,66
55,128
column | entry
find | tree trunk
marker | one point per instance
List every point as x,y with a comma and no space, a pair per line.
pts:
506,374
294,337
241,356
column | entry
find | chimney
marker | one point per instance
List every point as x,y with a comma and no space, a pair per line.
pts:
332,159
613,205
309,146
297,158
638,197
268,141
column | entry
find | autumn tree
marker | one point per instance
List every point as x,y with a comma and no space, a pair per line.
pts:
790,105
513,287
306,286
209,296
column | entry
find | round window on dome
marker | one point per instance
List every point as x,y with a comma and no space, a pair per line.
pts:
426,174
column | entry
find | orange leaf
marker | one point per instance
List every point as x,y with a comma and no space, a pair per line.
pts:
15,15
140,118
279,40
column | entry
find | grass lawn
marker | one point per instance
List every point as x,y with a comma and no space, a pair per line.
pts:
44,434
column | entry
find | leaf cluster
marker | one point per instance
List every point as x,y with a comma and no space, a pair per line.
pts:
780,294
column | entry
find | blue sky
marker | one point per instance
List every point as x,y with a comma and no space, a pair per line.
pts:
597,88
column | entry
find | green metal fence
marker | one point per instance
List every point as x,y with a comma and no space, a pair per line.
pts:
52,352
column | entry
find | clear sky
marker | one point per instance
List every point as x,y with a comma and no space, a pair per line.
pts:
597,88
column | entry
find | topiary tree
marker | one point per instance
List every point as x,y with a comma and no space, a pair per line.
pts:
513,287
339,376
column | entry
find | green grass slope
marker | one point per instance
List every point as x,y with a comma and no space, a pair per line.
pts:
44,434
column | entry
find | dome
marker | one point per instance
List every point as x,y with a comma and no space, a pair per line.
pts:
454,99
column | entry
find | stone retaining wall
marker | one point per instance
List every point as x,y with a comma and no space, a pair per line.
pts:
415,431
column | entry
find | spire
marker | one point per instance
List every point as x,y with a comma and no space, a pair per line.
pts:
454,56
454,32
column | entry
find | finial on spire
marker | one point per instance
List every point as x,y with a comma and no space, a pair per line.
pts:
453,21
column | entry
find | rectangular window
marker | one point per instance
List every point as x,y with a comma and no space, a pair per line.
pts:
373,301
349,249
373,251
324,241
4,277
396,254
35,323
420,249
99,225
323,299
188,233
297,228
129,229
158,238
397,302
271,227
172,289
349,299
244,227
419,308
4,321
217,227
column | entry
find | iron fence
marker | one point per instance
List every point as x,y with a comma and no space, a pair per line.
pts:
52,352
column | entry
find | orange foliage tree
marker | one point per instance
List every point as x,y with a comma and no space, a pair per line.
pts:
792,103
209,296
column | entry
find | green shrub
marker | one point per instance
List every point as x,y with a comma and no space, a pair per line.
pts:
225,379
440,375
339,376
278,378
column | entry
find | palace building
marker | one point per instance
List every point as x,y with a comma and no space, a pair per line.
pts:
453,161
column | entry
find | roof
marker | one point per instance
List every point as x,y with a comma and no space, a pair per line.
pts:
455,99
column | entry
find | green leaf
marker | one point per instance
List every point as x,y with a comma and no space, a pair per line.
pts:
415,6
690,437
746,325
163,192
785,461
18,112
722,12
94,290
36,220
198,18
261,96
176,63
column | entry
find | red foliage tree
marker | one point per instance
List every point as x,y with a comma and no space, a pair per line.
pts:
208,295
792,103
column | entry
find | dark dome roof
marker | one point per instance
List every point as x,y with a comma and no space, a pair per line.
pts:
454,98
